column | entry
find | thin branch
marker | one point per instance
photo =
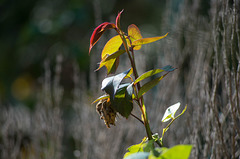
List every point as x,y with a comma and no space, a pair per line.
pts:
137,118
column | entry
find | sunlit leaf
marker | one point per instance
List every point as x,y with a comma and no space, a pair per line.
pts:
105,96
150,73
118,19
128,41
135,34
136,148
110,60
111,69
144,111
170,112
110,84
122,101
112,46
97,33
147,40
149,85
129,73
177,152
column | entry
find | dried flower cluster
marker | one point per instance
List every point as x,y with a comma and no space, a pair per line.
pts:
106,112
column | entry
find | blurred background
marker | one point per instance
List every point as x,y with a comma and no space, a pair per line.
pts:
48,82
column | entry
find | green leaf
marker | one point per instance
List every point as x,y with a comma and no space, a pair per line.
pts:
105,96
149,146
170,112
136,148
111,69
139,155
147,40
168,68
177,152
149,85
112,46
122,101
150,73
155,154
110,84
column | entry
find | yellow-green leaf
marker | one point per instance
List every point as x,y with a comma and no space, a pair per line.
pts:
177,152
147,40
112,46
129,74
148,74
105,96
109,60
149,85
134,34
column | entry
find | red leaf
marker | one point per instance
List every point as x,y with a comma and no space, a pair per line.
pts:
118,19
97,33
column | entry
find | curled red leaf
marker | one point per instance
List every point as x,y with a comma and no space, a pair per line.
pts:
118,19
98,32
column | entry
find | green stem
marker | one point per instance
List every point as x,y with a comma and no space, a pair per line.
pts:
165,129
142,107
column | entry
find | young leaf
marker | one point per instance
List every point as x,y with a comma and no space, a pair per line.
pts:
150,73
112,46
109,60
170,112
139,148
97,33
177,152
122,101
110,84
105,96
118,19
149,85
134,34
147,40
136,148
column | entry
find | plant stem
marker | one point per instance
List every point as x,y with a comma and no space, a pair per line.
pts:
137,118
142,106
